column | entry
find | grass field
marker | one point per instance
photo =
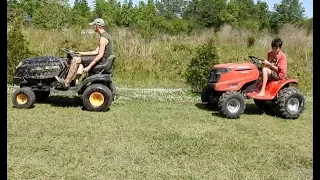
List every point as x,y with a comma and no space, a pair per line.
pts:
155,135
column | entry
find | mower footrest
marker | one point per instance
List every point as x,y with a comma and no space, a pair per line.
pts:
255,93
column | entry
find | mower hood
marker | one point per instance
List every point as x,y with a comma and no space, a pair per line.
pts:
236,66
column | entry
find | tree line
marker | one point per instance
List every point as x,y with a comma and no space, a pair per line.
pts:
163,16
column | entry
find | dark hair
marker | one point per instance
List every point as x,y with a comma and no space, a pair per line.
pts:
277,42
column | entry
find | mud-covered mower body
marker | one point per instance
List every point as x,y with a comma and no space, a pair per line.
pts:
37,74
39,69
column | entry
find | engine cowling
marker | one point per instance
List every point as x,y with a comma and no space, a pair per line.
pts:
44,67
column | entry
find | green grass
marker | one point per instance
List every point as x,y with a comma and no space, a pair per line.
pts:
155,136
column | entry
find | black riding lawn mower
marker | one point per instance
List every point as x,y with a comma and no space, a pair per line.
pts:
36,78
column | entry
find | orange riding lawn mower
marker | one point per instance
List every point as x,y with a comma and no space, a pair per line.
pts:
230,84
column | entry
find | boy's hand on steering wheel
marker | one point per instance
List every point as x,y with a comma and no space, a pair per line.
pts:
266,62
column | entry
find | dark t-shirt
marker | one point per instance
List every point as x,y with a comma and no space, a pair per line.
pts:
109,47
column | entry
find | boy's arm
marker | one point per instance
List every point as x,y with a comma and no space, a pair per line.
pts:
273,67
90,53
102,44
279,66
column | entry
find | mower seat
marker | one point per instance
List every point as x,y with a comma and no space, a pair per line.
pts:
105,68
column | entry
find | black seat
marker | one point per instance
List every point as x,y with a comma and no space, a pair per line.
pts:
105,68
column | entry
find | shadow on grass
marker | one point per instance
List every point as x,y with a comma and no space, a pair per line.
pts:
251,109
65,101
204,107
31,107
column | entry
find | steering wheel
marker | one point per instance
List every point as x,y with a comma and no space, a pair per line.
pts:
71,52
256,60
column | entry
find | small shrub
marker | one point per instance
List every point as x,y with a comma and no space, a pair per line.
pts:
207,55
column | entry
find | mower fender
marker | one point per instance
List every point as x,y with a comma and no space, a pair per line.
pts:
275,86
95,78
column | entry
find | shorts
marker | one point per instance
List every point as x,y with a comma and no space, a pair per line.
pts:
273,76
86,60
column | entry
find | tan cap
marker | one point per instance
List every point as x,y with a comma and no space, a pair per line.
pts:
97,21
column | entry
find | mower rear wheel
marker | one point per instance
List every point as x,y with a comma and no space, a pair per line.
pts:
290,103
231,104
97,97
23,98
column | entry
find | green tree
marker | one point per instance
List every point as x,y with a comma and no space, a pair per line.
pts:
145,18
190,11
209,12
287,11
242,14
80,13
263,15
170,8
31,6
14,9
99,8
126,14
52,15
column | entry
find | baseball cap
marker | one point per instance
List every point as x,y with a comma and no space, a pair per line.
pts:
97,21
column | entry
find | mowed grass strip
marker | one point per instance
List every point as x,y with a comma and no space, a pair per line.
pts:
141,139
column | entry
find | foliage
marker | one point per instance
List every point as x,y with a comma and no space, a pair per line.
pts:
207,56
165,16
146,33
17,47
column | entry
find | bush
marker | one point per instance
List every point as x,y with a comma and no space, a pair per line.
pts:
196,73
251,41
17,47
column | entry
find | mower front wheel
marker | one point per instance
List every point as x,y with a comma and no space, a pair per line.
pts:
23,98
97,97
231,104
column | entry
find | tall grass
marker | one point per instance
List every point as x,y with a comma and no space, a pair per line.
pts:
161,61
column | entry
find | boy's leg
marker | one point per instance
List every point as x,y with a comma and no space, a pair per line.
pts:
72,70
265,74
79,73
80,69
85,61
